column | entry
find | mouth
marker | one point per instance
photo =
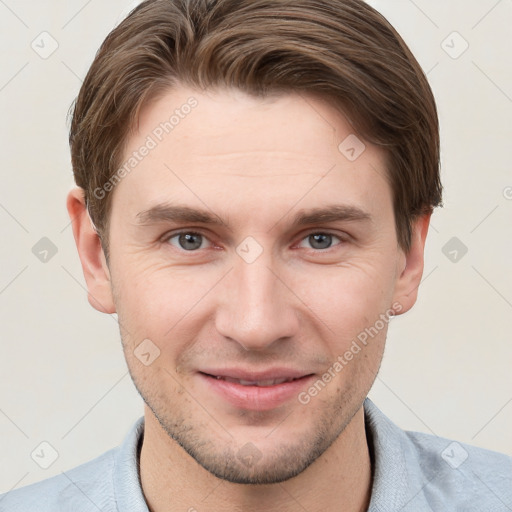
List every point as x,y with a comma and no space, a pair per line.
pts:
261,391
260,383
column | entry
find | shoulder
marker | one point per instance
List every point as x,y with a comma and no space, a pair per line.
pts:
103,483
474,478
88,487
416,472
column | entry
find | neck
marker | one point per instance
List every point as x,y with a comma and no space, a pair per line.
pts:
340,479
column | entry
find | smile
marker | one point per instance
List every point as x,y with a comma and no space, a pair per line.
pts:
255,392
261,383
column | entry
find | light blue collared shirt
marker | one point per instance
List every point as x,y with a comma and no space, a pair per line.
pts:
412,472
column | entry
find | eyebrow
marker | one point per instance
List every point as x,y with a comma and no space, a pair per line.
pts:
185,214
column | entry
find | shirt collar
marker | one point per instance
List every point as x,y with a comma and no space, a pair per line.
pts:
388,461
400,478
127,485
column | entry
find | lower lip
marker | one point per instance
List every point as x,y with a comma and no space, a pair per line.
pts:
256,398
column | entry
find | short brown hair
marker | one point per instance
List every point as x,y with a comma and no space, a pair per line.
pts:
342,50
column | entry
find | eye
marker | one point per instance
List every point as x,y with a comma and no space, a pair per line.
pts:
192,241
321,241
187,240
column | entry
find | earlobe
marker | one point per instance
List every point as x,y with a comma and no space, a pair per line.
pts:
90,251
410,274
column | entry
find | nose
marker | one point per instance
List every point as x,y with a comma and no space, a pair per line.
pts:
256,308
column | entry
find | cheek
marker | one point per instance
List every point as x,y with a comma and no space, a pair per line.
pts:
144,285
352,291
352,310
154,301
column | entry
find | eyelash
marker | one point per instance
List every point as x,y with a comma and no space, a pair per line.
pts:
169,236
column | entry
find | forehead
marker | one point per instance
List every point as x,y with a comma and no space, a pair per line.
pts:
227,147
230,122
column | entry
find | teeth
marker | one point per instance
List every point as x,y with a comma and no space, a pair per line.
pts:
262,383
245,382
272,382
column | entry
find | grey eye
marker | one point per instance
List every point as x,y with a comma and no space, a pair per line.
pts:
187,241
320,240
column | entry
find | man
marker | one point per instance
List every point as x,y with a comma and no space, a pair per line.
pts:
255,185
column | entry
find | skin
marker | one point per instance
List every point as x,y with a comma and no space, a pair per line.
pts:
254,163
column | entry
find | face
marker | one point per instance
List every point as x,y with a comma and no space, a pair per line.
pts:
248,256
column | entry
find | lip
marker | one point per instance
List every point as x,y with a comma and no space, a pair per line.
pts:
252,397
270,373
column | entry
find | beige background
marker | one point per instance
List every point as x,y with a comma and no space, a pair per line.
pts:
447,367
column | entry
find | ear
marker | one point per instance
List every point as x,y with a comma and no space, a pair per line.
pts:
410,268
90,251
